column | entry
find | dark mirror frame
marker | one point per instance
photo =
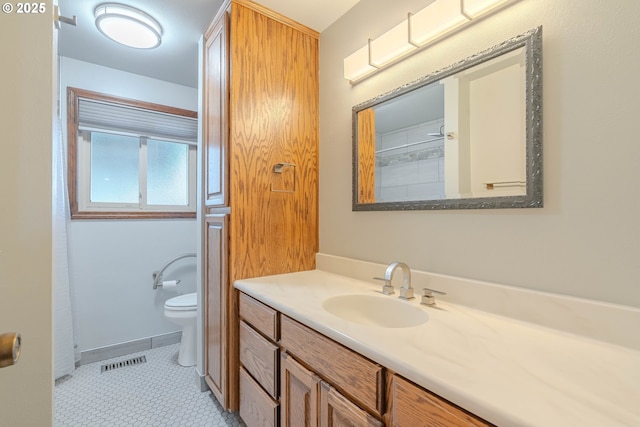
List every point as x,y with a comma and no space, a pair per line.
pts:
532,42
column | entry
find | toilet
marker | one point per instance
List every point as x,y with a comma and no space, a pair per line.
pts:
181,310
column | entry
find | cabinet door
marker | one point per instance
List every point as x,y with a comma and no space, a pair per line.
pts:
299,394
215,305
413,406
214,108
337,411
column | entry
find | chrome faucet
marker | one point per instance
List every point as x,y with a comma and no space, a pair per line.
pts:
406,291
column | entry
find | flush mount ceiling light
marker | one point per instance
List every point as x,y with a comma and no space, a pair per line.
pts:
128,26
419,30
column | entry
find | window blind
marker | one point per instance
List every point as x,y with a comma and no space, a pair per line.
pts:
110,117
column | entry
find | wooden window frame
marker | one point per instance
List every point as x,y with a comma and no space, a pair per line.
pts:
73,97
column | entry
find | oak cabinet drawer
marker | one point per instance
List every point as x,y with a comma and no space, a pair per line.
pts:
257,409
262,317
354,375
413,406
260,358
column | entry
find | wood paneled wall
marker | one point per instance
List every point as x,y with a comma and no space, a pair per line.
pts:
273,119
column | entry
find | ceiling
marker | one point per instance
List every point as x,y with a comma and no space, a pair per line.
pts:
183,22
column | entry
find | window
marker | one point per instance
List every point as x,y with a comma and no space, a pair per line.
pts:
129,159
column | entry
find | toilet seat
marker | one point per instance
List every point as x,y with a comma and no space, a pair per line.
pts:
186,302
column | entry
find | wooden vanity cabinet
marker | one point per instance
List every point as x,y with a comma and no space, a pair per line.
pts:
412,406
259,167
293,376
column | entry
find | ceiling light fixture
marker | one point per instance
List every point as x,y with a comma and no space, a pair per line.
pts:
419,30
128,26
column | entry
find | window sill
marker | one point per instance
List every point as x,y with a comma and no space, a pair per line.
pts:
131,215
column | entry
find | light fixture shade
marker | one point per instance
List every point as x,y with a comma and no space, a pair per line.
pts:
435,20
128,26
357,64
391,45
475,8
426,27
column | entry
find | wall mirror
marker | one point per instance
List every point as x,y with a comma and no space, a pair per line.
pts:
466,137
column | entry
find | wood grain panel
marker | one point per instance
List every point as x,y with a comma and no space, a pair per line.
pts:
215,309
278,17
337,411
262,317
215,97
260,358
269,78
300,394
357,377
257,409
274,119
366,156
413,406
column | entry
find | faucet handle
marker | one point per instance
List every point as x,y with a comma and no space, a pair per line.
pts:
428,298
387,288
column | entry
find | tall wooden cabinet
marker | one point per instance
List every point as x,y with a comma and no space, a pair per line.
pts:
260,166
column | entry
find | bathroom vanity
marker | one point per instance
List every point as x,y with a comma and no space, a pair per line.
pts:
304,363
324,381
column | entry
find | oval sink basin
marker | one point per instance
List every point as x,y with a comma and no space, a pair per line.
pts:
383,312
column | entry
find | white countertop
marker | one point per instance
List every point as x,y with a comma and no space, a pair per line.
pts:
509,372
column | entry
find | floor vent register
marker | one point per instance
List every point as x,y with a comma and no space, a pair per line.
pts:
123,364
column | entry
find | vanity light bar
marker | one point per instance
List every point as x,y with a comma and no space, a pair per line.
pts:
417,31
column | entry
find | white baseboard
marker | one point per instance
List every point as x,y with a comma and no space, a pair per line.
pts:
122,349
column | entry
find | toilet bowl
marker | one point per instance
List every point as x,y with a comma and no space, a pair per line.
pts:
181,310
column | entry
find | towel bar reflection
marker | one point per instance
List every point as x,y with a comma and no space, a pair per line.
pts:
496,184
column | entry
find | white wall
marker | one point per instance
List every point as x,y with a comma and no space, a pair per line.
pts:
497,146
585,242
111,261
26,118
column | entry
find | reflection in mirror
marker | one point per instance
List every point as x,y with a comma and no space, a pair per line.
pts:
466,137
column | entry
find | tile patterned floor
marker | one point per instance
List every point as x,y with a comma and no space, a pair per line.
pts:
157,393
